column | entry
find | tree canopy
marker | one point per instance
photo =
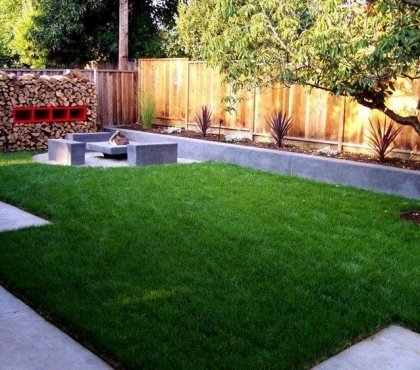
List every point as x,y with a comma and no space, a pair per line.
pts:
353,48
16,17
70,33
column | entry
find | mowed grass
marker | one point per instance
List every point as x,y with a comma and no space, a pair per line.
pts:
209,265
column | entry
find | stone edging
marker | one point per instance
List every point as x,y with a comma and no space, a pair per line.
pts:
379,178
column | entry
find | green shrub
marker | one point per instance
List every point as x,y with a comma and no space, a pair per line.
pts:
147,110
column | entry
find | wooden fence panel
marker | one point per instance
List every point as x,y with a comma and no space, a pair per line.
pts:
315,115
323,115
166,80
117,97
266,103
206,87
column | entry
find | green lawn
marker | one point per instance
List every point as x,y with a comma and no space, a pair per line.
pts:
209,265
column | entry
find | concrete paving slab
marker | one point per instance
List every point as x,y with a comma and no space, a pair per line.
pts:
28,342
13,218
393,348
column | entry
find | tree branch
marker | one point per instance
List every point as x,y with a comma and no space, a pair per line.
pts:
411,78
315,86
412,121
274,32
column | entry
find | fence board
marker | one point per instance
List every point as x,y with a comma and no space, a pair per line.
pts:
167,81
206,87
117,97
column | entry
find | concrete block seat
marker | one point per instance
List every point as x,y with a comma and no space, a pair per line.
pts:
90,137
68,152
142,154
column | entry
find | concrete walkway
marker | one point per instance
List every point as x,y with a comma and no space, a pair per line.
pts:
393,348
12,218
28,342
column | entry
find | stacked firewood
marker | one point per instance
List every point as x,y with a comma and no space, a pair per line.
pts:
33,90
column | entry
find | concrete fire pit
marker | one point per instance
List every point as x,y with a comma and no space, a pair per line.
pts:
107,149
73,152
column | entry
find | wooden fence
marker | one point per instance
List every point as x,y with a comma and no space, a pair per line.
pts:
180,87
117,93
117,97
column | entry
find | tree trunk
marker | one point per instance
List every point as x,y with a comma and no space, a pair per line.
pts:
412,121
123,36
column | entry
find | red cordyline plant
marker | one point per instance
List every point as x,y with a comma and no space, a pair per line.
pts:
381,138
204,120
280,126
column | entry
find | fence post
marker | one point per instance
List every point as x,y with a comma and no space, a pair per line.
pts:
254,115
136,78
187,93
341,127
139,89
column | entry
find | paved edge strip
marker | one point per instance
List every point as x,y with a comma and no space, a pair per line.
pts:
28,341
13,218
392,348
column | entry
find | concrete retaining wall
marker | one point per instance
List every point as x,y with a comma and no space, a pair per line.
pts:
384,179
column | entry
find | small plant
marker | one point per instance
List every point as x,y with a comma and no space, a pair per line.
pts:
381,138
147,110
204,120
280,126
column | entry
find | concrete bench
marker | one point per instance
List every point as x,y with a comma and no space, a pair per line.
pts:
90,137
141,154
67,152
